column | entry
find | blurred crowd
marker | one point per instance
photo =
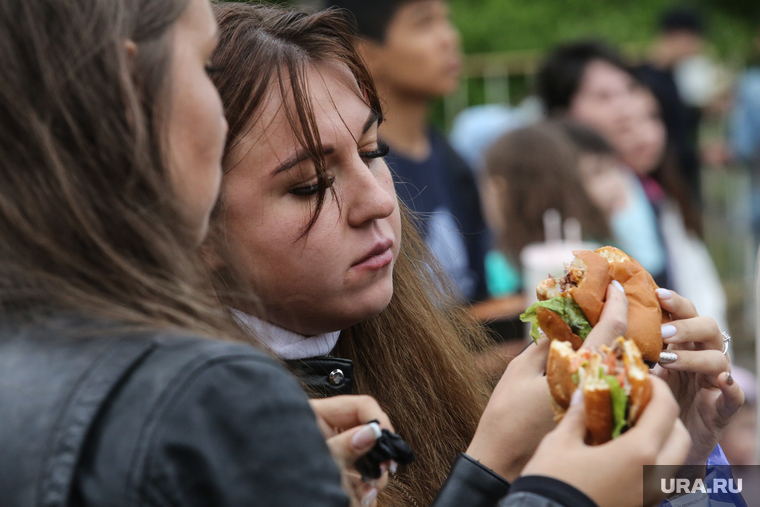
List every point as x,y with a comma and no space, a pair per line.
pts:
608,145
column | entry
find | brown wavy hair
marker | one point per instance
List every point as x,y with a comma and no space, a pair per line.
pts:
417,358
88,222
539,167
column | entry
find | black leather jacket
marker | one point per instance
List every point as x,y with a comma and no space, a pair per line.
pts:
153,419
469,483
95,416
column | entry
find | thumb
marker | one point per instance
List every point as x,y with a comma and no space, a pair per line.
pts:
574,422
532,359
349,446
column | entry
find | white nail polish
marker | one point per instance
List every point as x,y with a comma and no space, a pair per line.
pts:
577,397
393,467
376,428
664,293
617,285
364,437
668,330
369,497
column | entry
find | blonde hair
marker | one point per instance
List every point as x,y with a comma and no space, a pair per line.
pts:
88,220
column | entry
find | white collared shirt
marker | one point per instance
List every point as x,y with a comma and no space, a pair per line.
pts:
283,343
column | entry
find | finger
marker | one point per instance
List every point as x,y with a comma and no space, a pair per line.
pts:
379,484
324,428
349,446
366,492
678,306
702,331
573,424
347,411
706,362
732,396
614,319
656,422
370,499
533,357
677,447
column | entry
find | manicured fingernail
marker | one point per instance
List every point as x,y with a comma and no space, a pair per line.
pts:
577,397
366,436
369,497
617,285
393,468
668,330
729,379
664,293
667,357
383,469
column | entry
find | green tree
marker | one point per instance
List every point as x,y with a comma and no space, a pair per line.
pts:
507,25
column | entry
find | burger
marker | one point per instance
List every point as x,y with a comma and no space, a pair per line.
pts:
569,307
615,383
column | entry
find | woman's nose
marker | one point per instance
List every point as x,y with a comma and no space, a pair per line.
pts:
372,195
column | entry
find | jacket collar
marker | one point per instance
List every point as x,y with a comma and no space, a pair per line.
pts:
283,343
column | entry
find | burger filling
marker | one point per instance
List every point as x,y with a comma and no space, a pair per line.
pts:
566,308
554,292
552,286
615,372
619,405
574,273
607,367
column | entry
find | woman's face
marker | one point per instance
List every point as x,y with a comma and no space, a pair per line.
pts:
604,181
340,272
642,145
197,128
604,100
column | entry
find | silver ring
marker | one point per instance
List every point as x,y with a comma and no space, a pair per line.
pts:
726,340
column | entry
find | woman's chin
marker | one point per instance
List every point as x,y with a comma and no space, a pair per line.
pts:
370,305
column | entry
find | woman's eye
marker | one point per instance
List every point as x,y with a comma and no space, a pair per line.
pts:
212,70
381,151
310,190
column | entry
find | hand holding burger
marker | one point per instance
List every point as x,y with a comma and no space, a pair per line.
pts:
698,373
612,475
614,381
570,306
519,412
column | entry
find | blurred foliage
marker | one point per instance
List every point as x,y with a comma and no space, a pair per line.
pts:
509,25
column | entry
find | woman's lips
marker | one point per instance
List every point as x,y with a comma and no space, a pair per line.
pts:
380,256
376,261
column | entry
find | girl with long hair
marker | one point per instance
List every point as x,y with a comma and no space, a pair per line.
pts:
111,387
309,222
533,169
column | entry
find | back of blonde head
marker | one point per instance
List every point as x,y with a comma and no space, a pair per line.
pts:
88,222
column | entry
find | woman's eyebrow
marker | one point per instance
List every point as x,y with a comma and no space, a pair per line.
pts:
373,118
296,159
302,155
